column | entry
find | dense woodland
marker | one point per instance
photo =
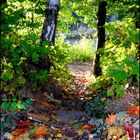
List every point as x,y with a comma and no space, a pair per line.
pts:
55,90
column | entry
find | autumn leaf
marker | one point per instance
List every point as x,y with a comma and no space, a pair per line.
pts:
130,130
18,131
133,110
111,119
115,131
59,135
41,130
88,127
22,127
24,124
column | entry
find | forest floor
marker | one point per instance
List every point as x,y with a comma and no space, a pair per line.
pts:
69,119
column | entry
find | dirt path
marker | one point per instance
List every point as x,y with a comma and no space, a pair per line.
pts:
80,68
61,122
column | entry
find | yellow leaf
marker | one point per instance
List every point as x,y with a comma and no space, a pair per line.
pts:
59,135
80,132
8,135
115,131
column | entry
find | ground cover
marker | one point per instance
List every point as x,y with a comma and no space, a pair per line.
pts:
69,119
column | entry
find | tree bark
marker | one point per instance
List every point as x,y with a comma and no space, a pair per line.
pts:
101,16
49,27
50,22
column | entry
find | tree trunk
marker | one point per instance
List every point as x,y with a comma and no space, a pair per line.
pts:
49,26
101,15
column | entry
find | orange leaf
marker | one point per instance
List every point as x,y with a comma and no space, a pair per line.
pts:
14,138
40,131
18,132
111,119
88,126
133,110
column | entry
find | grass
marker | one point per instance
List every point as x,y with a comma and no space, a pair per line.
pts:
83,51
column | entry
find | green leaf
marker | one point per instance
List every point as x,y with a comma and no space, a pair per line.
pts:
119,89
21,1
96,100
29,101
13,107
5,105
129,60
39,11
24,105
135,69
7,75
33,37
19,105
21,80
35,57
118,74
110,93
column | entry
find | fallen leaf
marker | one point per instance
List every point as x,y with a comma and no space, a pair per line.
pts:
24,124
133,110
41,130
90,136
88,127
59,135
111,119
24,136
80,132
8,135
18,131
130,129
116,131
131,133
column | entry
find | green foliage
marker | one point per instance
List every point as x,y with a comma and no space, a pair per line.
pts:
14,105
119,61
23,59
96,107
20,43
60,57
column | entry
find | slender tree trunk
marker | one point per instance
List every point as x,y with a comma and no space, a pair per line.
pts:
101,15
50,22
49,27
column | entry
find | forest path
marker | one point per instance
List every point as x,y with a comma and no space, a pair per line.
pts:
69,122
82,74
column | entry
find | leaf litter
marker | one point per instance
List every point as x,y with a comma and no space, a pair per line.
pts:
123,124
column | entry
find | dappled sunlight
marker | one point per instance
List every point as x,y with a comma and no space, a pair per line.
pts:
70,70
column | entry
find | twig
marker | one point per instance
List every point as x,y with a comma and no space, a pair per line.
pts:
56,125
